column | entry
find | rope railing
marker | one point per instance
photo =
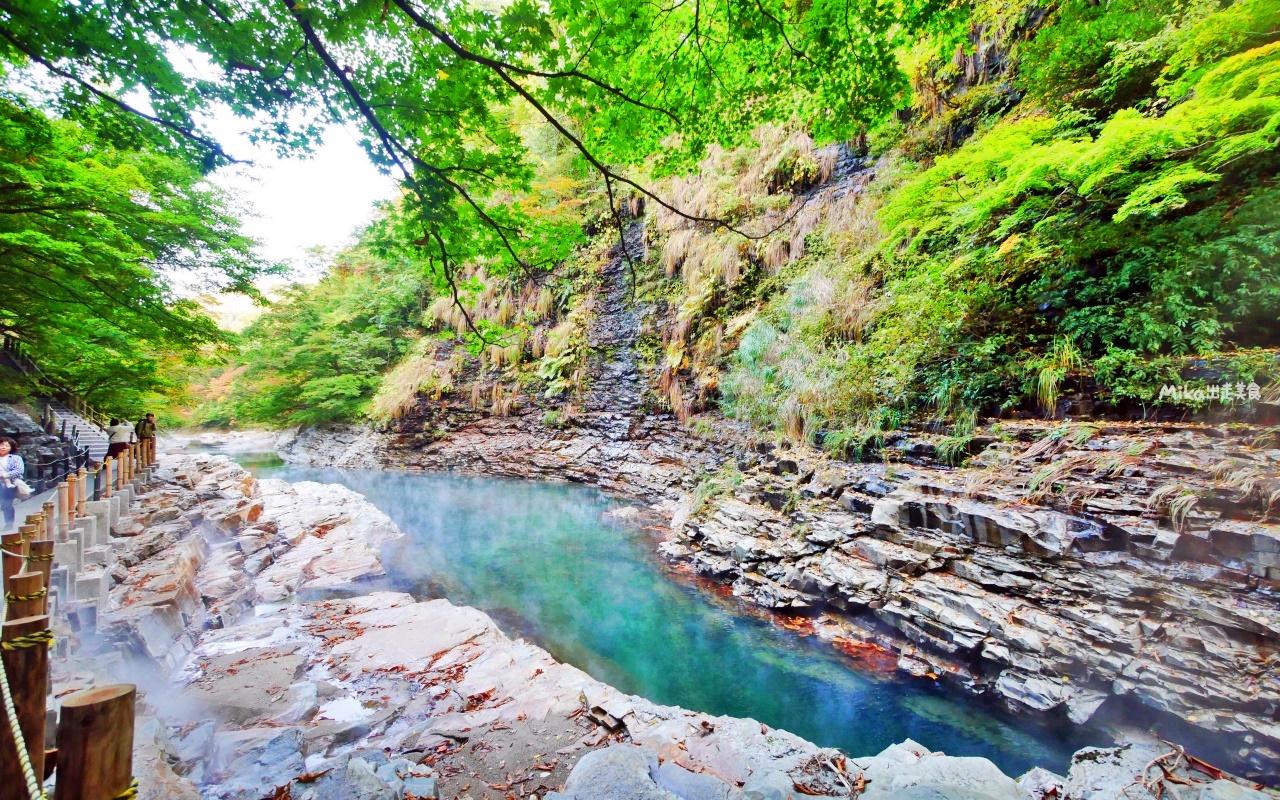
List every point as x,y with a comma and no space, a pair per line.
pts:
94,731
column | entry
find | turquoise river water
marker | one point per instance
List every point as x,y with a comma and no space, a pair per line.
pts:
539,558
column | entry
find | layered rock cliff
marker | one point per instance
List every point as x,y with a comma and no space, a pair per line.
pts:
1090,597
270,663
1117,574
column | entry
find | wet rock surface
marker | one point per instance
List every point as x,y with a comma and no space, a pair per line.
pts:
258,678
1115,574
302,676
606,438
1061,578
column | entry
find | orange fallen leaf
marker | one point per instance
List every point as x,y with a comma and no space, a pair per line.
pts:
312,777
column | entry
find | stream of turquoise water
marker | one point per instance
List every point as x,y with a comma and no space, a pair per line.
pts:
539,558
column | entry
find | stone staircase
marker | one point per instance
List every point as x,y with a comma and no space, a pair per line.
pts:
80,430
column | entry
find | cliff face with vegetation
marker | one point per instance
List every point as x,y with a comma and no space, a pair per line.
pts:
849,389
1047,220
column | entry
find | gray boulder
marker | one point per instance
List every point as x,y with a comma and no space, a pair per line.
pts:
1102,773
699,786
257,759
771,785
1039,784
1228,790
363,782
620,772
910,771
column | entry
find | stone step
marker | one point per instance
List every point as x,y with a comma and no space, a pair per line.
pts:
89,435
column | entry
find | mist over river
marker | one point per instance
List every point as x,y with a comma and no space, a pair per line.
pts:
541,560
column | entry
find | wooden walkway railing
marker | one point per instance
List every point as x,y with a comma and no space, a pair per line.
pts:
94,736
15,352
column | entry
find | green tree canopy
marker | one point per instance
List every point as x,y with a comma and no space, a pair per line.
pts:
94,241
624,82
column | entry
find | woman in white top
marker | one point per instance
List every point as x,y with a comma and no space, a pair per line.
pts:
11,470
120,432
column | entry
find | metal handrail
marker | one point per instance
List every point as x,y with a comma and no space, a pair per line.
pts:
45,473
13,345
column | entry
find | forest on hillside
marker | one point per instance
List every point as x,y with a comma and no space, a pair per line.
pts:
846,218
1079,196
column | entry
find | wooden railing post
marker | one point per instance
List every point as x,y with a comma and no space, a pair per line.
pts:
73,495
49,520
12,560
95,744
40,559
64,510
27,667
26,595
109,481
83,485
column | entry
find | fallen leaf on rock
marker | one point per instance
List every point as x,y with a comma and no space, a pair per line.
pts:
312,777
1207,769
475,701
281,793
802,789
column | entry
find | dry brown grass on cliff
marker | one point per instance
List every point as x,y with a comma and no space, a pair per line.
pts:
420,372
504,401
505,355
1174,500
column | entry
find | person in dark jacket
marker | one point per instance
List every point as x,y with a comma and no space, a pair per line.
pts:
146,427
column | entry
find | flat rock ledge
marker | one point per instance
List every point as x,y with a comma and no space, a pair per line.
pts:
272,661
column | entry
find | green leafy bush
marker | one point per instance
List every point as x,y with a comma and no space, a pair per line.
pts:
1042,253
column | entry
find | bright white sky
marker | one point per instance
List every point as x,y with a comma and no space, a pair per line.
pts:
298,204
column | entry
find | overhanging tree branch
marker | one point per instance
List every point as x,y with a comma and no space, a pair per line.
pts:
605,171
209,144
448,41
397,152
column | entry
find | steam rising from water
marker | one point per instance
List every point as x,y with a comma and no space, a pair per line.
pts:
540,561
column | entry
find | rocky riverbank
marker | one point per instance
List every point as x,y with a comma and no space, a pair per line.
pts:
273,663
1120,574
1058,571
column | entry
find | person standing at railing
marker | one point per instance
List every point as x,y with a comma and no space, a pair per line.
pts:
146,428
146,431
11,471
119,433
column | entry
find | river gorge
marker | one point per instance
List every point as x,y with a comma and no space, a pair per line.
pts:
578,572
545,562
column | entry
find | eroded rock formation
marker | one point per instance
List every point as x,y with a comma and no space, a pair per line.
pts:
1097,594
